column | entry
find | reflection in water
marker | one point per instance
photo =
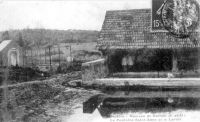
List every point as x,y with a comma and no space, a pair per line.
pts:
91,104
108,104
121,105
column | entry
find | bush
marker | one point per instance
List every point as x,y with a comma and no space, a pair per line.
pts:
69,67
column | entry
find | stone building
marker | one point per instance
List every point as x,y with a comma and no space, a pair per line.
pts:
128,32
10,53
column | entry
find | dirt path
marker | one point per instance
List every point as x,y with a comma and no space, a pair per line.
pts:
24,83
51,79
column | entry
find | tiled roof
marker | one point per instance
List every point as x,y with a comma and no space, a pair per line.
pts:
4,43
132,29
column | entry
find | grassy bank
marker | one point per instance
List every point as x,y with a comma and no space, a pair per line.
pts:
28,100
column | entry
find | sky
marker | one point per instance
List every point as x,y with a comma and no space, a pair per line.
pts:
60,14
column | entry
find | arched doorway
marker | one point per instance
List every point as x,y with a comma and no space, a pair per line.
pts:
13,57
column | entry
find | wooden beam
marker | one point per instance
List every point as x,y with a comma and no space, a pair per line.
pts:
174,61
166,82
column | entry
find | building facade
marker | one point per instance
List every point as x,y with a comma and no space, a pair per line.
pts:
128,33
11,53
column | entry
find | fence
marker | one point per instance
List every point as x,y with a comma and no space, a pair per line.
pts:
48,56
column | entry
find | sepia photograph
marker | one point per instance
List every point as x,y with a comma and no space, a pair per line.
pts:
99,60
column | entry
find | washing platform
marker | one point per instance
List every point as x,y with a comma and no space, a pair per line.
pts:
144,84
143,94
161,74
148,81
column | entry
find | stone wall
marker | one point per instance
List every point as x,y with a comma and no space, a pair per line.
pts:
94,69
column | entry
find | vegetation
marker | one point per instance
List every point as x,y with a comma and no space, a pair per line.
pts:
41,37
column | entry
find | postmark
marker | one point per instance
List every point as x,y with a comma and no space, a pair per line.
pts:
180,17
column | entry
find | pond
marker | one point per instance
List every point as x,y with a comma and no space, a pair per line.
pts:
87,105
109,108
180,115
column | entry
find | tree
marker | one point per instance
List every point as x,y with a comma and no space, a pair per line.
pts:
25,46
20,40
5,36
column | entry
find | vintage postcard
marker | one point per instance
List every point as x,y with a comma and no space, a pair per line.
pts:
99,61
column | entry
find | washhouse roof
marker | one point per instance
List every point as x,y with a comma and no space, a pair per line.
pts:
131,29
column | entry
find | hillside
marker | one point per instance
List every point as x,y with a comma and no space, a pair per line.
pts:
41,37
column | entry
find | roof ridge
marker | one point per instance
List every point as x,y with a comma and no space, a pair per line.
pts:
128,10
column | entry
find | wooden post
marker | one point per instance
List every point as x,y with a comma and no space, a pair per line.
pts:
59,54
50,56
174,61
45,60
31,57
40,55
70,49
25,57
198,60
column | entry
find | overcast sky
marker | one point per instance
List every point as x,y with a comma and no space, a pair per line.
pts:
62,15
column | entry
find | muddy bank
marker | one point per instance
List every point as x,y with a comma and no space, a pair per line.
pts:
43,101
65,104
